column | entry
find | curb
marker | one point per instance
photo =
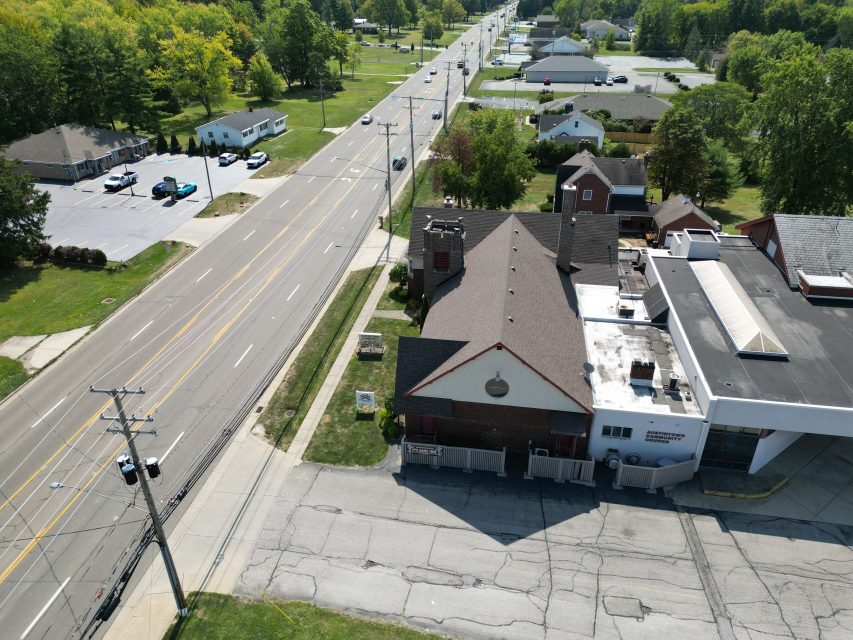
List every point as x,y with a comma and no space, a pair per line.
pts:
747,496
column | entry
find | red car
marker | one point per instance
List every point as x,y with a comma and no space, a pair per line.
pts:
547,82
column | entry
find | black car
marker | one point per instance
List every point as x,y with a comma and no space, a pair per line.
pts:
622,79
159,190
460,64
399,163
597,82
465,71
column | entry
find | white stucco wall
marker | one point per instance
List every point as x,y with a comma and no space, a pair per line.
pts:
526,387
654,436
771,446
784,416
235,138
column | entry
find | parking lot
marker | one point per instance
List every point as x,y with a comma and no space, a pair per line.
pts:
123,223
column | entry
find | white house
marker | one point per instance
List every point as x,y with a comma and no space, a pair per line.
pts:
243,128
571,127
599,28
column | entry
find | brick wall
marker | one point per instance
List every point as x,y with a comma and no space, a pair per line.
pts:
690,221
436,241
600,194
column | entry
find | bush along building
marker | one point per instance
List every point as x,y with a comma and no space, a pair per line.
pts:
544,340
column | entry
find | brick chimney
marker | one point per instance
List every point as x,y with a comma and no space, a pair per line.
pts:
584,145
567,228
443,252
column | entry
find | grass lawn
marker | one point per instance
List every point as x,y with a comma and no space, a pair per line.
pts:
395,298
289,150
47,298
744,205
411,36
343,436
12,376
290,403
537,193
228,203
215,616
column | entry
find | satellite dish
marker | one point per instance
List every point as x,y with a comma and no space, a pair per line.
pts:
588,368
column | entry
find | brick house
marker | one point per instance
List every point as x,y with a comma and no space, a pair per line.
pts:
677,214
500,359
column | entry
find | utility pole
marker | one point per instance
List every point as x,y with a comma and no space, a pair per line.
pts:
422,49
206,170
412,142
446,95
140,468
480,45
322,103
388,135
464,69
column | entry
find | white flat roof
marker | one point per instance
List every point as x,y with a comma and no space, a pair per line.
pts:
613,342
835,282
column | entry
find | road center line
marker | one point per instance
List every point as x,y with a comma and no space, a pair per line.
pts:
374,187
353,214
281,206
47,413
250,235
203,274
311,179
243,356
293,292
331,244
171,446
140,331
45,608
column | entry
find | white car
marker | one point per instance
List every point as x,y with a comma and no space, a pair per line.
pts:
256,160
609,81
227,158
367,119
433,71
428,79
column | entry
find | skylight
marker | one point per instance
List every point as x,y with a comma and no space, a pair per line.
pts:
747,328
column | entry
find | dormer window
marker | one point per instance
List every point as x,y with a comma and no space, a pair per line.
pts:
587,194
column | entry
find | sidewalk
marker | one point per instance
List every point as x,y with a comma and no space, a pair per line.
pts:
214,539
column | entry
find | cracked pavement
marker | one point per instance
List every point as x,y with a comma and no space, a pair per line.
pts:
475,556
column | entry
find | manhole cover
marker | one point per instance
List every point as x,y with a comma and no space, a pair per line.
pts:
108,301
289,413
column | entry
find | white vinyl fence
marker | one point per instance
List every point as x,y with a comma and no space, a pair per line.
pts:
652,478
561,469
465,458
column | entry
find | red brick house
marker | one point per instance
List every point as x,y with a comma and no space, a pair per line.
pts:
677,214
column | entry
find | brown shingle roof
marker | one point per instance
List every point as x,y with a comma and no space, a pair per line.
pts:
68,143
675,208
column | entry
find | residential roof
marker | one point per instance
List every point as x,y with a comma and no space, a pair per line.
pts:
567,63
548,122
675,208
68,143
817,245
617,171
562,44
548,33
601,24
546,18
512,294
249,118
817,336
416,359
621,107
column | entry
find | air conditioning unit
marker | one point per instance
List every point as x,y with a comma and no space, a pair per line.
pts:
632,458
611,458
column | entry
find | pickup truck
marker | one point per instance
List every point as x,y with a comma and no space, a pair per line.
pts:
119,181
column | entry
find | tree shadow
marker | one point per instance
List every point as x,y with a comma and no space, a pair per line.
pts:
726,216
15,279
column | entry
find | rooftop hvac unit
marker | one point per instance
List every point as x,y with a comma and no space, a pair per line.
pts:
674,381
611,458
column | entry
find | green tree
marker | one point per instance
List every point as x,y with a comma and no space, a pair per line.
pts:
782,14
196,67
677,164
452,11
655,27
720,107
819,22
290,35
174,145
471,7
745,14
22,213
722,178
392,13
161,146
693,45
354,57
399,274
610,40
192,148
343,15
264,82
845,26
804,117
431,25
213,149
749,53
340,50
454,166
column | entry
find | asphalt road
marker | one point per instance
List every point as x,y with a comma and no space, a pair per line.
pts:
197,341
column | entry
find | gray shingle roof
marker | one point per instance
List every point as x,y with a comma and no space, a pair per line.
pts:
819,245
548,33
244,119
595,249
70,142
416,359
563,43
548,122
621,107
476,306
675,208
567,63
623,171
602,24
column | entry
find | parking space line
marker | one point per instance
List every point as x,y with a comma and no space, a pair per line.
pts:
311,179
141,330
61,241
124,246
374,187
102,245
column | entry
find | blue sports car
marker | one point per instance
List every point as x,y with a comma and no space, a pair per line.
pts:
186,188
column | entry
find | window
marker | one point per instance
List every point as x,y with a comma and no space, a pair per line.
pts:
224,134
210,134
576,124
279,122
246,133
587,194
263,126
441,261
617,432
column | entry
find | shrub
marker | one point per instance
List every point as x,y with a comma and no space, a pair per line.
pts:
174,145
387,420
73,254
213,149
674,78
42,252
87,256
619,150
399,274
358,36
192,149
684,87
99,258
58,252
615,125
546,207
162,146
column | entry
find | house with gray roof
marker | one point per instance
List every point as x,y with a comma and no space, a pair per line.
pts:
635,106
544,21
570,127
73,151
562,46
566,69
815,253
243,128
599,29
500,359
678,213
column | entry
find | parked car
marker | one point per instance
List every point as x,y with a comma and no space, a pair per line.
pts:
609,81
159,190
465,71
227,158
256,159
364,43
366,119
597,82
433,71
546,81
460,64
399,163
497,62
119,181
428,79
622,79
186,188
436,115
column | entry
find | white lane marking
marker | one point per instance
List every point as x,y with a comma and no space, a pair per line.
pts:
135,335
293,292
47,413
172,446
203,274
45,608
284,203
331,244
243,356
350,143
311,179
374,187
124,246
102,245
250,235
353,214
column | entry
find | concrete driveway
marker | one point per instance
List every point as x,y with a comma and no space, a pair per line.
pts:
474,556
122,224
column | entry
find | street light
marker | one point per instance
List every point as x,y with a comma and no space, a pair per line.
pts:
59,485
